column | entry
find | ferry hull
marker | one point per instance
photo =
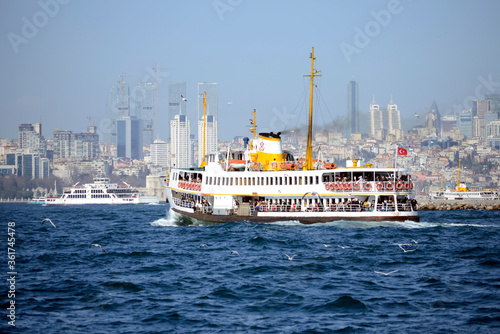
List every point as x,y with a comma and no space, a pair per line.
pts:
295,217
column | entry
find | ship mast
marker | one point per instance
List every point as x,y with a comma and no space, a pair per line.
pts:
309,160
204,163
254,125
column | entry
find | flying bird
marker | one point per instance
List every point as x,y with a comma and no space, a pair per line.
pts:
406,250
290,257
183,98
48,220
386,274
97,245
344,247
417,115
326,245
203,245
235,252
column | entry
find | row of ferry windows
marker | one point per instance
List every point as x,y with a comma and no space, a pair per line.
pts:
92,196
263,181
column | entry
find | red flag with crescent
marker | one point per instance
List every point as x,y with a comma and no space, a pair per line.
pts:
402,151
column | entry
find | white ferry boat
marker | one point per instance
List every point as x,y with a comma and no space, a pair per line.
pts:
263,183
461,192
101,192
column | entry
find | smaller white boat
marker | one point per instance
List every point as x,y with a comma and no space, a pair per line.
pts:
38,200
101,192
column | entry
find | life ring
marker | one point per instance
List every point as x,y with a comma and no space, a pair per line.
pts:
389,186
368,186
356,186
340,186
380,186
299,165
399,185
327,186
407,186
347,186
332,186
411,185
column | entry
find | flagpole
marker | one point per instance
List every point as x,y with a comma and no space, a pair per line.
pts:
396,157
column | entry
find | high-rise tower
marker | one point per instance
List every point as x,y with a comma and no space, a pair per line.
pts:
180,146
176,100
393,118
376,121
352,107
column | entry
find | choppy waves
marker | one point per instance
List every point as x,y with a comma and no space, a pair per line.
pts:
160,275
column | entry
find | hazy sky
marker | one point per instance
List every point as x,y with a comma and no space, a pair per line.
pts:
59,59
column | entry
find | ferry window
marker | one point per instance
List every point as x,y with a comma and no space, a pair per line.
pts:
258,181
290,180
231,181
300,180
317,179
281,181
311,180
245,180
223,181
218,181
253,181
267,181
271,180
305,180
261,181
286,179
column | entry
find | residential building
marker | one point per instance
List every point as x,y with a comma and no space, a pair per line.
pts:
376,121
181,146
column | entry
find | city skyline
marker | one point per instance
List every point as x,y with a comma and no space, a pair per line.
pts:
52,79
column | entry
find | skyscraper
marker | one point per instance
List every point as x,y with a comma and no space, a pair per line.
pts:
118,106
144,100
180,145
129,138
433,120
176,105
352,107
495,102
393,118
466,124
376,121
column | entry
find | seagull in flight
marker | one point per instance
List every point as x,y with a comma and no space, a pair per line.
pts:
326,245
203,245
235,252
406,250
97,245
183,98
417,115
48,220
344,247
386,274
290,257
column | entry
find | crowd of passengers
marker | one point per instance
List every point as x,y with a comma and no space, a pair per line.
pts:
367,178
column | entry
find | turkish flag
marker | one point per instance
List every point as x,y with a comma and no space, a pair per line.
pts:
402,151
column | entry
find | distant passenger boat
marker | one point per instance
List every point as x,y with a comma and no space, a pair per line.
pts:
101,192
38,200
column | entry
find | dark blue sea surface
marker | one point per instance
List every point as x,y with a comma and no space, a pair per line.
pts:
157,275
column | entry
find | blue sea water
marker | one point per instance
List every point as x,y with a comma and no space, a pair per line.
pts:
158,276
